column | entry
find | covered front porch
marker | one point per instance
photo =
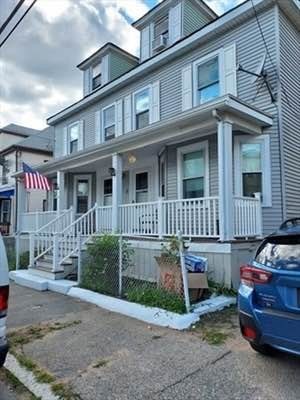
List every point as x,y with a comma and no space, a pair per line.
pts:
185,175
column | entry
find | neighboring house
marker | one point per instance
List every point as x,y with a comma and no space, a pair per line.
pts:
183,139
20,144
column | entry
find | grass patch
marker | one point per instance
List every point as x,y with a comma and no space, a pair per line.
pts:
214,336
215,328
16,385
63,391
26,335
11,258
41,375
157,297
100,363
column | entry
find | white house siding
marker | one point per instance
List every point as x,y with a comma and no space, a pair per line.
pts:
250,48
290,79
193,18
119,64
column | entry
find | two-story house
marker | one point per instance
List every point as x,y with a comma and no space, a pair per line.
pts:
19,144
199,135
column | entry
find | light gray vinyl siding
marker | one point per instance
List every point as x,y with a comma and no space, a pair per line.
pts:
290,107
193,18
249,48
119,65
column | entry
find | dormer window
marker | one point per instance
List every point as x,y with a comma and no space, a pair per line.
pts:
96,76
160,34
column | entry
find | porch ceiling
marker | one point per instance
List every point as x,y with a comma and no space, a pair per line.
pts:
197,121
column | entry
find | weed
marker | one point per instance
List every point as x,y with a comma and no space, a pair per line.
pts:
214,337
157,297
63,391
100,363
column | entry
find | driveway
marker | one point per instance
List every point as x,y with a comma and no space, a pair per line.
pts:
104,355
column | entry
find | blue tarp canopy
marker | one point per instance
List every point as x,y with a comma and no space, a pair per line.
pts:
7,193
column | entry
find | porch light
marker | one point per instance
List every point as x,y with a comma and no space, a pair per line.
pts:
112,171
131,159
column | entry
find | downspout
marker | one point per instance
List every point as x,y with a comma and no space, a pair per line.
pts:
278,106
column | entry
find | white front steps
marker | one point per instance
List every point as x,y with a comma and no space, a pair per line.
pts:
26,278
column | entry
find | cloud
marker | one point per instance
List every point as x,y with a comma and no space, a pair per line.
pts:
38,62
38,75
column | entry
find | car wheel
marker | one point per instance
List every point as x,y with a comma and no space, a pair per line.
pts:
263,349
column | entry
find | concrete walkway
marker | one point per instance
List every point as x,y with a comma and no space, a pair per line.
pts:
112,357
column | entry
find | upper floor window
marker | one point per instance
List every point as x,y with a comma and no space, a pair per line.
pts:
96,76
73,137
109,122
160,34
208,81
142,108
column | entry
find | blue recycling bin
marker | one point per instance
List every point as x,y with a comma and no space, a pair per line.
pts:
195,263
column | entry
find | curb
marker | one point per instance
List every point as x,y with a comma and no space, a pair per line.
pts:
27,378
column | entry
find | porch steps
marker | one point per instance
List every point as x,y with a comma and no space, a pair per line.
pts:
43,268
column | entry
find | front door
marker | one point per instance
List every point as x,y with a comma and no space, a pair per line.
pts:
142,187
82,193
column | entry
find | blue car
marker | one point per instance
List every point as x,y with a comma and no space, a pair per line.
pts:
269,293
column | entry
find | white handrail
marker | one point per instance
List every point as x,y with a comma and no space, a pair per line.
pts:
65,243
41,241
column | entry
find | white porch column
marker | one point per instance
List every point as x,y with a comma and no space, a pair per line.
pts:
226,207
117,190
61,194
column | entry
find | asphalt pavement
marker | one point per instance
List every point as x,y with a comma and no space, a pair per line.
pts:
108,356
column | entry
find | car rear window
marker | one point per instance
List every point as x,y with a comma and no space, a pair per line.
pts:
280,253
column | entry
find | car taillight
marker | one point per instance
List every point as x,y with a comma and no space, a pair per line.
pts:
249,332
251,275
4,292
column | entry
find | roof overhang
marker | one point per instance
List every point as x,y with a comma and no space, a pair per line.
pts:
164,6
107,48
243,116
227,21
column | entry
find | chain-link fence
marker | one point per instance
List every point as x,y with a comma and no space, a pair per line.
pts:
156,278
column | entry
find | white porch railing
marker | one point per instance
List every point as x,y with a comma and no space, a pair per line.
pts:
33,221
247,217
192,217
104,219
140,219
41,241
70,240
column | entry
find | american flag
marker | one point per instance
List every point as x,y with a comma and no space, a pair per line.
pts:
34,180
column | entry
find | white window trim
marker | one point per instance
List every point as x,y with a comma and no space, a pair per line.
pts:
190,149
102,179
265,167
149,87
69,127
102,120
77,178
218,53
132,183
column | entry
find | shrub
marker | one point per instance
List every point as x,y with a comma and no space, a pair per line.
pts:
101,270
157,297
11,258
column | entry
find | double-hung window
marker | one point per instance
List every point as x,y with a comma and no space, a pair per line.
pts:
252,167
96,78
73,137
109,122
107,192
142,108
193,171
207,80
141,187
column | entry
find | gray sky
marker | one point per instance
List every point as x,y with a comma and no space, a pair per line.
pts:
38,74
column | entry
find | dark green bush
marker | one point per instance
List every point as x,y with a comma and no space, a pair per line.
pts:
11,257
157,297
101,270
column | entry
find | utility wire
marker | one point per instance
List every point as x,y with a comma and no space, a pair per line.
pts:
271,60
11,15
16,25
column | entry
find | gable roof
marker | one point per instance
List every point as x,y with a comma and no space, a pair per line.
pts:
19,130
